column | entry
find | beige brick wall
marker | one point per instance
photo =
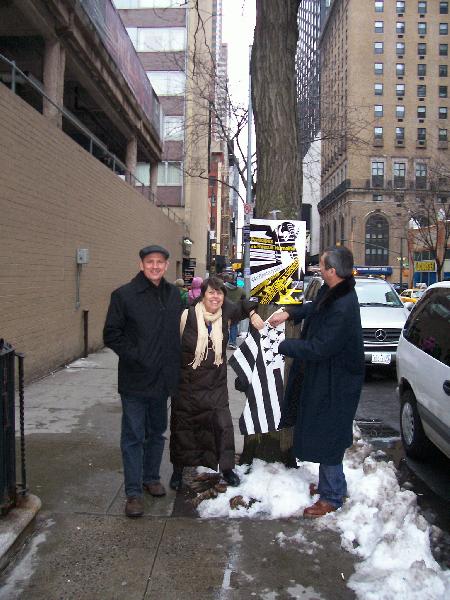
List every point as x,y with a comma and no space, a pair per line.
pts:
55,198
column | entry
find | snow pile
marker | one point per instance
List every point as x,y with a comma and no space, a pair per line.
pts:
380,523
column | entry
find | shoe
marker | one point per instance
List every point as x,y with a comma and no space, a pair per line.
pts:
319,509
313,489
176,481
134,507
155,489
231,478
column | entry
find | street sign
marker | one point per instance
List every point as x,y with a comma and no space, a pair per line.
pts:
248,209
425,266
246,233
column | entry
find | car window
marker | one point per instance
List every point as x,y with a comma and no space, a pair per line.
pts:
406,294
428,326
376,293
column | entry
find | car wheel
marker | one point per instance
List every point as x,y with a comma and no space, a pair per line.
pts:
415,442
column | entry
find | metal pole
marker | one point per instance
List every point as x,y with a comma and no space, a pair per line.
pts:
401,263
248,197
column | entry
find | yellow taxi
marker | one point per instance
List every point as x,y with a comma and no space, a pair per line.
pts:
411,295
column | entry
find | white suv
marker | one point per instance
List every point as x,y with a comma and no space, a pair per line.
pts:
423,373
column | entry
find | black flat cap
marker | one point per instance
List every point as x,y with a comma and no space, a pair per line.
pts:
151,249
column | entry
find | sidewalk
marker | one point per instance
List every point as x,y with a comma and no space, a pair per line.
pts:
83,546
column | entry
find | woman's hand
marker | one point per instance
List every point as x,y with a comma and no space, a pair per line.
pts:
256,321
278,317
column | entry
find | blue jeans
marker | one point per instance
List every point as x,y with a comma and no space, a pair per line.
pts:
233,334
332,485
144,421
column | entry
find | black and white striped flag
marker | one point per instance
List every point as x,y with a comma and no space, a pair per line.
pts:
260,370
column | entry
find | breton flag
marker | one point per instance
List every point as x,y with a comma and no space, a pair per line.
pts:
260,372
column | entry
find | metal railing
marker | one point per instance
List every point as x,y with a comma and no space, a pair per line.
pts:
9,488
95,145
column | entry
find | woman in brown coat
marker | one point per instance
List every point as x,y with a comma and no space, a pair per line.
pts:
201,426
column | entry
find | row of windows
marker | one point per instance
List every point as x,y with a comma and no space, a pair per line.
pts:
400,111
422,6
399,171
149,3
421,133
400,69
169,173
400,48
168,83
378,90
158,39
400,27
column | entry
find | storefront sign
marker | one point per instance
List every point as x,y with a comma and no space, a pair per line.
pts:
428,266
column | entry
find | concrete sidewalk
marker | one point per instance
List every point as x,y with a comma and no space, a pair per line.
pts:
83,547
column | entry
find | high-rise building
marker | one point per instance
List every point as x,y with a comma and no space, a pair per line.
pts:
384,124
179,44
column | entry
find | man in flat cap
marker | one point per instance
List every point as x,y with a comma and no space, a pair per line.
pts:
143,328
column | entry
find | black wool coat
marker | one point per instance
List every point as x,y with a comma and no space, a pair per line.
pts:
332,352
201,428
143,328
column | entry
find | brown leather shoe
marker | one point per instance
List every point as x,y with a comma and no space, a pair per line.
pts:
134,507
155,489
319,509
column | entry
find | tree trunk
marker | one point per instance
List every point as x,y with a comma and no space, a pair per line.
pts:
275,108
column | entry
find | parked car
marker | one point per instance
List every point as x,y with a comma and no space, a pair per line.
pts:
423,373
411,295
382,317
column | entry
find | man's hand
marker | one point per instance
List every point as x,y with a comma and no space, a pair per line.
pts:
278,317
256,321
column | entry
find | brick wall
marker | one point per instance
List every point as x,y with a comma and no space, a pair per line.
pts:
55,198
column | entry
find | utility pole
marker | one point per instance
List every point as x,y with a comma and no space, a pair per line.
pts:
401,263
248,197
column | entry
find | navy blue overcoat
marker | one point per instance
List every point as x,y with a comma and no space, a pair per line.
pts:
332,351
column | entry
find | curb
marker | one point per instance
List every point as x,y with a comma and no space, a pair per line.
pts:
15,527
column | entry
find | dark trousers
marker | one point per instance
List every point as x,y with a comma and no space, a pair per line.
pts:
144,421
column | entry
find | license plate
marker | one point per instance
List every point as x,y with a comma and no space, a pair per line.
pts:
381,358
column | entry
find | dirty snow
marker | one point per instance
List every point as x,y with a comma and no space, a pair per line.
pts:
380,522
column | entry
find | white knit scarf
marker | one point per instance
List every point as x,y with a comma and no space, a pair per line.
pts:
201,350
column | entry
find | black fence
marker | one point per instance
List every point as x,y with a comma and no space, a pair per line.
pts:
9,488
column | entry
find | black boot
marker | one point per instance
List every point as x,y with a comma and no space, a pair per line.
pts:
231,477
176,481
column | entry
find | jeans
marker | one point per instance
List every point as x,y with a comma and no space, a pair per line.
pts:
332,485
233,334
144,421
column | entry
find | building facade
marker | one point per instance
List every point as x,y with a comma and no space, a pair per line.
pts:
384,124
179,44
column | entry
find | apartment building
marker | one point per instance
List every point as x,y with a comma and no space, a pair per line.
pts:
384,124
179,44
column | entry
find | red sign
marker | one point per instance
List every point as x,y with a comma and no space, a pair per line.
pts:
248,209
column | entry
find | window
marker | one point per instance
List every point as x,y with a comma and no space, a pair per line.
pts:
378,68
377,174
427,328
422,7
377,197
173,128
379,27
443,70
378,89
399,174
421,70
377,240
378,47
442,91
400,134
421,28
443,111
334,232
421,134
148,3
443,49
421,176
400,27
442,135
421,91
378,110
170,173
400,89
342,240
400,6
379,5
158,39
443,8
421,49
167,83
400,111
400,69
400,48
378,133
143,174
443,28
421,112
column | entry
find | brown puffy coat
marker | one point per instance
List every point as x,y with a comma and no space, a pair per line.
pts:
201,426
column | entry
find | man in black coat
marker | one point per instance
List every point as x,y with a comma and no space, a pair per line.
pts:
143,328
331,353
